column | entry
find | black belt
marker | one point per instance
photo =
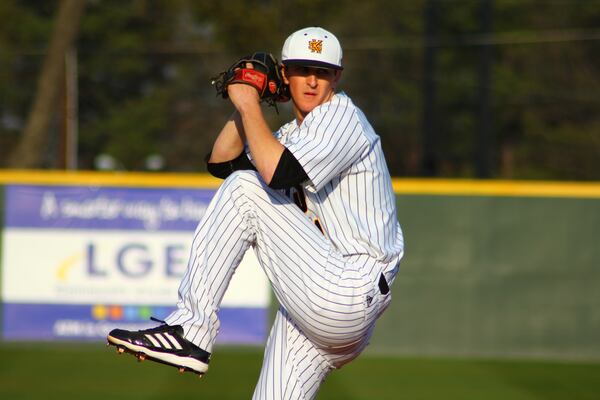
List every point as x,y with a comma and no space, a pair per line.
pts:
384,288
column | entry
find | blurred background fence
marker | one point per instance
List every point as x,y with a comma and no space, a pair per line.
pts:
498,269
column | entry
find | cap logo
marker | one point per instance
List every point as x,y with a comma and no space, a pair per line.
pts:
315,46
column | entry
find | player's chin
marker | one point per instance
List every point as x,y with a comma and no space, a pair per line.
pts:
309,101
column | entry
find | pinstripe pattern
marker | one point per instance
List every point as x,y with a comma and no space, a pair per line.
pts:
350,187
323,293
326,284
293,367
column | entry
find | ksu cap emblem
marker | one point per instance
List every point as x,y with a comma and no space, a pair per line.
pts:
315,46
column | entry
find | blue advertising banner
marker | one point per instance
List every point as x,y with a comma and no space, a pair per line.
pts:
78,261
239,325
75,207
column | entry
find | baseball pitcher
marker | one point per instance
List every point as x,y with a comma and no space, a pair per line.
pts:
313,200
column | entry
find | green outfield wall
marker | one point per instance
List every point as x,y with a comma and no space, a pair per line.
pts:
501,276
491,269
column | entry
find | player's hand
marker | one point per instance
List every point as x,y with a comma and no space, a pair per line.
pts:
259,70
243,95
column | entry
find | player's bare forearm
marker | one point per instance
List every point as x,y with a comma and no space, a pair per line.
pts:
264,148
230,141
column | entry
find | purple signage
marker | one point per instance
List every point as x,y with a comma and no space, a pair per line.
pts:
106,244
77,207
93,322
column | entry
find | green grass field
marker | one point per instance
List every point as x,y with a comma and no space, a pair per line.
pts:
94,371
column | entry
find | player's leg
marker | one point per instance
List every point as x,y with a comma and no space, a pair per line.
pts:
293,368
323,294
185,339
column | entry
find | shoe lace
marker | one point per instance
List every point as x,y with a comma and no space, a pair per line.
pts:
159,328
158,320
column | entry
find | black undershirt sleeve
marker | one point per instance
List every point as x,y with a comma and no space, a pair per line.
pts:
288,172
224,169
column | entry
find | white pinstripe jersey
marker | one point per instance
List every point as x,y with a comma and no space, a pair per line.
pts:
350,189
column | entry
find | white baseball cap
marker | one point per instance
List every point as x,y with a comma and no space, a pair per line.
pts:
313,47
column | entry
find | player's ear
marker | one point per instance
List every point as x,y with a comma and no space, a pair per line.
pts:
336,78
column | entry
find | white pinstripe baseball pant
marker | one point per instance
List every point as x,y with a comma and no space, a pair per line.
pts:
325,318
